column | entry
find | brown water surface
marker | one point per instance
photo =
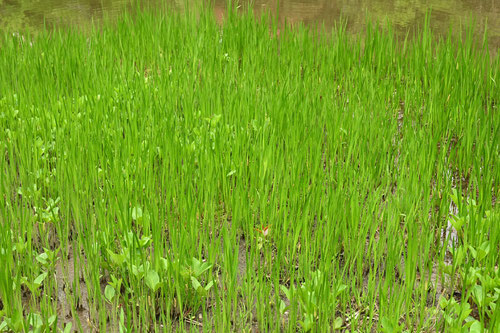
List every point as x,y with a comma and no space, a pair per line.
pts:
16,15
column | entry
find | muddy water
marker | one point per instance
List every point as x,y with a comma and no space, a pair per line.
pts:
404,14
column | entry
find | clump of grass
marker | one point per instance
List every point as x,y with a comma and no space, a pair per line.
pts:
166,172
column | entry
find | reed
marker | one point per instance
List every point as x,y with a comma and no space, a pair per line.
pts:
165,172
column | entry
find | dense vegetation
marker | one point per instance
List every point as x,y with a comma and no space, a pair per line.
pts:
166,172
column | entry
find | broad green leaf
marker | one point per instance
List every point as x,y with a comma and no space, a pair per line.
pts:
477,292
144,241
136,213
337,324
115,282
484,249
476,327
164,264
443,302
39,279
20,246
138,271
117,259
209,285
152,280
199,268
341,288
287,292
42,258
52,320
473,251
35,320
67,328
109,293
196,284
283,307
457,222
308,322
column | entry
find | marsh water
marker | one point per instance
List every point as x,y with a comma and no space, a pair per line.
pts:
405,15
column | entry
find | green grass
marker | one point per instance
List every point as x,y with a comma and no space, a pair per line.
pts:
165,172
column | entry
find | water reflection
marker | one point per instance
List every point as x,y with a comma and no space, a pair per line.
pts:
16,15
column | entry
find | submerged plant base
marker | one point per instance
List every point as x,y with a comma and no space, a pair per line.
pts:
170,173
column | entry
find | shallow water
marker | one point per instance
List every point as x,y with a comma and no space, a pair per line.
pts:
405,15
